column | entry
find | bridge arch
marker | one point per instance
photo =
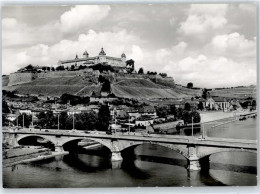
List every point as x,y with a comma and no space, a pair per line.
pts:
51,139
181,149
206,152
102,142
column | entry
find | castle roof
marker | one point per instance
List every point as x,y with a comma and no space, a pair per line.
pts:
85,53
102,52
123,55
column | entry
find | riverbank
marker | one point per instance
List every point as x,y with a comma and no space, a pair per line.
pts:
208,116
27,154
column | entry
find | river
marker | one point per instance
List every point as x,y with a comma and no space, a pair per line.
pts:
152,166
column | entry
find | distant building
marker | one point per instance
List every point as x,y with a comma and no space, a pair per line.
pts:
11,117
25,111
144,121
221,103
148,111
86,60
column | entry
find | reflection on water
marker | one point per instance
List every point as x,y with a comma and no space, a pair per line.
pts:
152,166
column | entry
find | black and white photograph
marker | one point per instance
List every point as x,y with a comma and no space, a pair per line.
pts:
129,95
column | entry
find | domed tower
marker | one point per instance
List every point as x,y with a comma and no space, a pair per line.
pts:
102,56
76,56
85,54
123,58
102,52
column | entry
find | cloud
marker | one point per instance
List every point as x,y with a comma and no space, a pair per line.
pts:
247,7
211,72
234,44
114,43
9,23
210,45
173,21
71,23
17,34
82,16
202,18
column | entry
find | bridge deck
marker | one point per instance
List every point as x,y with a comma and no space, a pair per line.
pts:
173,139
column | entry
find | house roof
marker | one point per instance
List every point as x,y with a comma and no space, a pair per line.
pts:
146,109
219,99
122,114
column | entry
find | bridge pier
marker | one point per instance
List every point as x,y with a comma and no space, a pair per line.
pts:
116,156
193,163
59,148
193,160
116,164
13,140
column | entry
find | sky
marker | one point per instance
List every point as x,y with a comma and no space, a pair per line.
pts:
210,45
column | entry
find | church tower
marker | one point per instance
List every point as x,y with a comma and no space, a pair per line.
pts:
123,58
85,54
102,56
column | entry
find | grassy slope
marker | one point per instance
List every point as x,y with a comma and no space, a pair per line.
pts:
242,92
131,88
5,80
136,83
53,86
143,88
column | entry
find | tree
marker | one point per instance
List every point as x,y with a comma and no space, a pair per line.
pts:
200,106
162,111
179,112
190,85
196,116
29,67
4,120
141,71
53,69
86,121
60,68
187,106
103,118
47,120
173,110
72,67
254,104
205,93
102,67
44,68
63,117
73,100
48,68
163,75
5,107
187,116
24,119
106,86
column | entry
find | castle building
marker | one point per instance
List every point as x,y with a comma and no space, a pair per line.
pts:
101,58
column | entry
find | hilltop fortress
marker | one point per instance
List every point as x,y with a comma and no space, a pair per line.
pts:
101,58
80,74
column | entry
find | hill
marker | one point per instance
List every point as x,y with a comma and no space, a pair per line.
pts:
55,86
5,80
79,85
236,92
144,88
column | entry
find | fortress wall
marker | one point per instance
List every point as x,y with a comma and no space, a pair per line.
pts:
20,78
61,74
167,81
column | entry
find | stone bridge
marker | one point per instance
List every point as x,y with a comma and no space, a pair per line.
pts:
193,149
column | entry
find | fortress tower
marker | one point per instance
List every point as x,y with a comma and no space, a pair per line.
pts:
102,57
